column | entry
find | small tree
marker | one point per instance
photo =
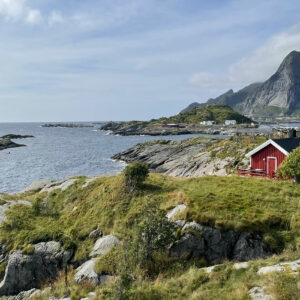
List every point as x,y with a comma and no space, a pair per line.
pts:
290,168
135,174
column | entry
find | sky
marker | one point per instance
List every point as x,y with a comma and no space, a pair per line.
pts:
96,60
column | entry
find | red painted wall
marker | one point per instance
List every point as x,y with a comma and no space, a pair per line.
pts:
259,159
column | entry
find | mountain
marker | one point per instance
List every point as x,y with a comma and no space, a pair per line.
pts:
278,96
192,106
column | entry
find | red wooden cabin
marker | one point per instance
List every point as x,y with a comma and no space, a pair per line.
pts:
266,158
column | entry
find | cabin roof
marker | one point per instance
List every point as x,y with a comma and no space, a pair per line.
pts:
283,145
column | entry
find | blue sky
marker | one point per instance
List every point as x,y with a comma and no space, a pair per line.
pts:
67,60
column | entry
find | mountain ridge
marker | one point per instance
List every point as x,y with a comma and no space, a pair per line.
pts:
278,96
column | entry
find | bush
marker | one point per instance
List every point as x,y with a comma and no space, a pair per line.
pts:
135,174
290,168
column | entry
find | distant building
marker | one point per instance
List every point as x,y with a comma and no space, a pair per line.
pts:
207,123
230,122
174,126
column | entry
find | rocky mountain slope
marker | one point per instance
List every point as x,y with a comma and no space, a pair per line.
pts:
277,96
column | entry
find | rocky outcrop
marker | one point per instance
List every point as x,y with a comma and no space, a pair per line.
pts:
7,143
49,186
104,244
186,158
200,241
86,272
24,272
291,267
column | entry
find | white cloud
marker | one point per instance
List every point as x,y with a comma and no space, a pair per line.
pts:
257,66
55,18
11,9
33,16
17,10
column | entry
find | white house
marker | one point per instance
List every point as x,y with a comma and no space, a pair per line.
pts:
207,123
230,122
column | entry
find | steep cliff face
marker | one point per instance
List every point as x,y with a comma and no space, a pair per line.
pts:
280,94
277,96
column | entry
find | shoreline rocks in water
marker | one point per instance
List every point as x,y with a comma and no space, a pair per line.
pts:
7,143
67,125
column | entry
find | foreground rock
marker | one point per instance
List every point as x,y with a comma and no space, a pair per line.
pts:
200,241
104,244
24,272
258,293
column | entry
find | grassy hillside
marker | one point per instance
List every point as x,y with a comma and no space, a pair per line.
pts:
223,202
214,112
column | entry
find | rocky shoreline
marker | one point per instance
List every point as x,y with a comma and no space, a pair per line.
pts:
141,128
186,158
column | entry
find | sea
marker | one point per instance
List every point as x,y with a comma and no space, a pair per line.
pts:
58,153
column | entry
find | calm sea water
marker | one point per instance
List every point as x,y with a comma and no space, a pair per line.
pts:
57,153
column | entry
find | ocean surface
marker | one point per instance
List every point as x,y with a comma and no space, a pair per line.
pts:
58,153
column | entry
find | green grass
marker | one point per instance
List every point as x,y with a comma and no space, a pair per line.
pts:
269,207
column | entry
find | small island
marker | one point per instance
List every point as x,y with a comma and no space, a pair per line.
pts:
6,140
208,119
67,125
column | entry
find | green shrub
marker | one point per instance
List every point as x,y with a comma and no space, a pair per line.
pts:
135,174
290,168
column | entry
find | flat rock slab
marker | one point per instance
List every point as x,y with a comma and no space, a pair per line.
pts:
63,185
173,212
292,267
258,293
104,244
37,185
242,265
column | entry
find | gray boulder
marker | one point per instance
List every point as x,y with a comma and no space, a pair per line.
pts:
104,244
200,241
86,272
24,272
250,246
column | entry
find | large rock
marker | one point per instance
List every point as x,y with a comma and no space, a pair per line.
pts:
37,185
250,246
86,272
54,185
104,244
24,272
210,243
25,294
